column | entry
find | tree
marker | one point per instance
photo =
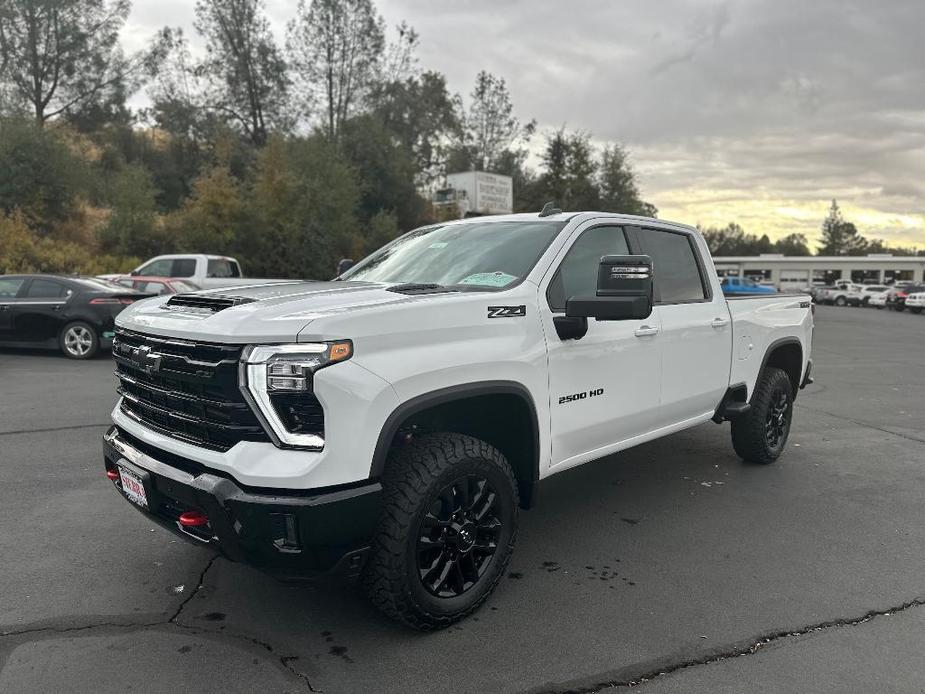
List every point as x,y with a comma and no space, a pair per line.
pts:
840,237
337,47
130,229
793,244
489,126
422,115
619,192
62,56
40,176
569,172
249,79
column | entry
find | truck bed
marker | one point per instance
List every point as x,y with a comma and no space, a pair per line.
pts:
760,321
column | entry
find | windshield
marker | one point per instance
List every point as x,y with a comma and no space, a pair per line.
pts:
479,255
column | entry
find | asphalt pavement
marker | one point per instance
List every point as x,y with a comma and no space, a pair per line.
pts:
672,567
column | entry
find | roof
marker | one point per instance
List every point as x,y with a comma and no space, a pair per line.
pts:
579,216
822,259
148,278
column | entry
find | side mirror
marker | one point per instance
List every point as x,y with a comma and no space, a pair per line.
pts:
624,290
134,273
344,265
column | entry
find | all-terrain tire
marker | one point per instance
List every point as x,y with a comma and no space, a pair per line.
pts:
415,492
915,309
760,435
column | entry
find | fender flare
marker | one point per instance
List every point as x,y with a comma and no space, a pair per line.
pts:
443,396
780,342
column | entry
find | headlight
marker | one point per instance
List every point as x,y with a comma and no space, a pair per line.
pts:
278,381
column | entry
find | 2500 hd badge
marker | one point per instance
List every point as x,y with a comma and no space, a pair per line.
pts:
581,396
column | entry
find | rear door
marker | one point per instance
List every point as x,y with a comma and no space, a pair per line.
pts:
696,330
604,387
38,315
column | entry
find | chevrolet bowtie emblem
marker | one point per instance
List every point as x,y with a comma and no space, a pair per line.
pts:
145,360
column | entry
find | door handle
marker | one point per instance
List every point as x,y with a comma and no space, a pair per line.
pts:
646,331
719,322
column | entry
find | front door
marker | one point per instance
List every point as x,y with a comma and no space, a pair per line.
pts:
604,388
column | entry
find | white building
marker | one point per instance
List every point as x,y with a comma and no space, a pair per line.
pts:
796,272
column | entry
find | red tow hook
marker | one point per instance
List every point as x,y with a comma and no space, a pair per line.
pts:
112,474
192,519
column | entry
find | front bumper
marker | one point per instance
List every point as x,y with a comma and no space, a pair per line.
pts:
284,532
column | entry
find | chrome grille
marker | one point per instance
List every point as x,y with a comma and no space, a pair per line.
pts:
186,390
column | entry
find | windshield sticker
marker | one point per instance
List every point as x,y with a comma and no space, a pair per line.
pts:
438,244
489,279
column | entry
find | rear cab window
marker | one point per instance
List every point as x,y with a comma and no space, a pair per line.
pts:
220,267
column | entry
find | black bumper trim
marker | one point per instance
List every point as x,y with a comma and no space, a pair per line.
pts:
290,535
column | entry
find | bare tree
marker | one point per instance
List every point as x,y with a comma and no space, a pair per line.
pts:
490,126
59,56
337,47
249,78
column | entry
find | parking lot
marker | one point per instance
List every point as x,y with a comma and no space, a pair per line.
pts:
672,566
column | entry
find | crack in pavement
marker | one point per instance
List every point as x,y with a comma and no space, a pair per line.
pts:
861,423
666,668
285,661
51,429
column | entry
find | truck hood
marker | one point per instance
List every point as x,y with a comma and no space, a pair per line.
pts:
275,312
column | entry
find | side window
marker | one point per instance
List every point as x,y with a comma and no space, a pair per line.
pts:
46,289
577,274
183,267
220,267
9,288
677,274
157,268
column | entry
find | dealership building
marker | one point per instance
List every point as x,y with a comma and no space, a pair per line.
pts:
804,271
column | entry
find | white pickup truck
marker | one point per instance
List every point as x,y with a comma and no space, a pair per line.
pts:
205,271
390,424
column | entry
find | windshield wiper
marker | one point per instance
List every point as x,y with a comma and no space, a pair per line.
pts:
419,288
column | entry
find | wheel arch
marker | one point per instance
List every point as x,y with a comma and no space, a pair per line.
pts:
785,353
502,413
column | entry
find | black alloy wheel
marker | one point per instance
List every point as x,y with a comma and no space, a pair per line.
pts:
458,537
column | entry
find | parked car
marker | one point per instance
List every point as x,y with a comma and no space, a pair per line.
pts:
156,285
842,294
898,295
205,271
391,423
868,290
73,314
915,301
744,285
879,299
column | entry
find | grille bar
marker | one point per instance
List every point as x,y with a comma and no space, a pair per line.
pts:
186,390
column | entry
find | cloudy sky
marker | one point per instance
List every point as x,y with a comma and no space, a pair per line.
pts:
754,111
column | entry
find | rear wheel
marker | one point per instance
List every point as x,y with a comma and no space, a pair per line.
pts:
760,436
915,309
840,301
79,340
446,531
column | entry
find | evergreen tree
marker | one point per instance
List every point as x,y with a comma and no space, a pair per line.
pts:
840,237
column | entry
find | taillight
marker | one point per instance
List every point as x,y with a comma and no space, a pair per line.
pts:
901,295
126,301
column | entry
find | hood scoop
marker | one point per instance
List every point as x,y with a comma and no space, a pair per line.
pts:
420,288
204,303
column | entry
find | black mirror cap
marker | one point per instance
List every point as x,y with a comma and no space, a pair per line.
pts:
625,275
344,265
609,307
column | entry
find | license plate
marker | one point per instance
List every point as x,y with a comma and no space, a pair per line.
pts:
133,488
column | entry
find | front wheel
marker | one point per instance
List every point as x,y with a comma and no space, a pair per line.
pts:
840,301
446,531
760,435
79,340
915,309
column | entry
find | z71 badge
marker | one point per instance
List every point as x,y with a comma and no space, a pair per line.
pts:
507,311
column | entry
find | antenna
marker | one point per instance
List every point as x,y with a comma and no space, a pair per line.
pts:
550,209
